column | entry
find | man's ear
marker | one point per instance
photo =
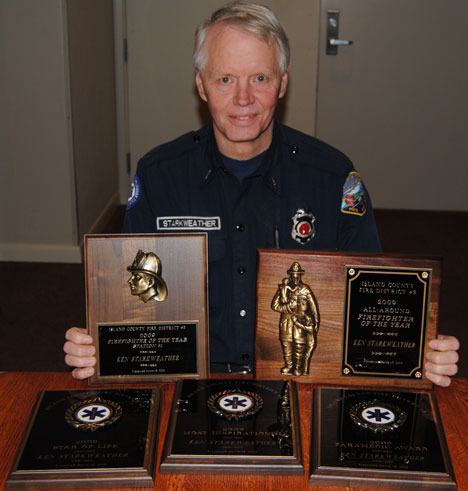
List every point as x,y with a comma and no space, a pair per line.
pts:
283,84
200,86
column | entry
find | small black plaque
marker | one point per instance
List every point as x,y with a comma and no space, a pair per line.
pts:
234,426
147,349
89,437
385,321
371,436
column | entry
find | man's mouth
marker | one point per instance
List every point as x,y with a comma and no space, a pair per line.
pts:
247,118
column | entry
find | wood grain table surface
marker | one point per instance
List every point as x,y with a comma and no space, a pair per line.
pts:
19,392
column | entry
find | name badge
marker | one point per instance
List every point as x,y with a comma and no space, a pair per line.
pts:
188,223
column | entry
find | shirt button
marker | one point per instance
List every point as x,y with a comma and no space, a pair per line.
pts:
294,149
243,312
240,227
241,270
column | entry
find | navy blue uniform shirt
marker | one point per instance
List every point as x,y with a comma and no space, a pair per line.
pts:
186,178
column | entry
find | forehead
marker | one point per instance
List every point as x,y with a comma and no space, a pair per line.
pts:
229,47
140,274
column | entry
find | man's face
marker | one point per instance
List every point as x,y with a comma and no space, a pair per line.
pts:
140,282
241,82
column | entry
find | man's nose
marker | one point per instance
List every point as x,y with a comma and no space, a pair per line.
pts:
244,95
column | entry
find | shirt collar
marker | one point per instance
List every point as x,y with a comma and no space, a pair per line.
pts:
269,169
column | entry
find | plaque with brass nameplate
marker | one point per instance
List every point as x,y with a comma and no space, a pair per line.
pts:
95,438
146,298
346,318
234,426
379,439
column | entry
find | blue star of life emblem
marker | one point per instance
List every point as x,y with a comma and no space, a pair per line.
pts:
378,415
92,414
235,404
97,413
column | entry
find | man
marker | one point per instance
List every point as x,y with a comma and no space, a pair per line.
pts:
251,183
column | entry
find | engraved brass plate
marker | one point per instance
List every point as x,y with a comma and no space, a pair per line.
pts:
148,348
385,321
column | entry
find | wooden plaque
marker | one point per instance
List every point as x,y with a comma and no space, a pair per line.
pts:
94,438
146,298
373,316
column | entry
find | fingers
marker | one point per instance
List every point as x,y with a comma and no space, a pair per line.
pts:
82,373
84,366
450,369
442,357
78,335
80,361
442,380
79,349
444,343
79,344
79,352
441,360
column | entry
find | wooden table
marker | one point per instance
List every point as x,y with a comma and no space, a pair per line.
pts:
19,391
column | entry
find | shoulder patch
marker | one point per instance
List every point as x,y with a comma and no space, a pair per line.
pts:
353,201
135,192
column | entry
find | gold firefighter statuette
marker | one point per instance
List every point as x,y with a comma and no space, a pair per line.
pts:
299,321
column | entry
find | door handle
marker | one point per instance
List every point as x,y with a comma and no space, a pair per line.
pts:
333,27
340,42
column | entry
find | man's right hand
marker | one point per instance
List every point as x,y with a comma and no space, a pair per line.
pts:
79,352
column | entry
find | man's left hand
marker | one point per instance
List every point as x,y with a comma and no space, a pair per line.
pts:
441,360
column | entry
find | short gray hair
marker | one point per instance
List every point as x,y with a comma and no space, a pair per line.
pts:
258,20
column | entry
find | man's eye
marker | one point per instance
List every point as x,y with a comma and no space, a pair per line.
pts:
225,80
261,78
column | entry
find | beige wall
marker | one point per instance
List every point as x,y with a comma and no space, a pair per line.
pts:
91,58
36,181
42,191
396,101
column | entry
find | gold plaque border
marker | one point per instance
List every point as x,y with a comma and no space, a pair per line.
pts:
417,371
149,376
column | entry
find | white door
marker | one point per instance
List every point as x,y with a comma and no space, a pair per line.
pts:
396,100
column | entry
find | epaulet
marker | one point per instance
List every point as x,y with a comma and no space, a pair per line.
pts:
175,148
312,151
